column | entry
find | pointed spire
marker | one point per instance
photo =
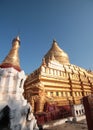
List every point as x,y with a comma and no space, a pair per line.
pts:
12,59
57,54
54,42
55,46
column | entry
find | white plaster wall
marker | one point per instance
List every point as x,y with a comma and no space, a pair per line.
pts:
11,86
78,110
11,94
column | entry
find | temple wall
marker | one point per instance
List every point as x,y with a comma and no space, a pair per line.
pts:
67,82
11,85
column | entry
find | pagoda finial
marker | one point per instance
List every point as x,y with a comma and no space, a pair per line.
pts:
16,39
54,40
12,59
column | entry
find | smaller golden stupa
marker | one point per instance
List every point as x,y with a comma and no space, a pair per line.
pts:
12,59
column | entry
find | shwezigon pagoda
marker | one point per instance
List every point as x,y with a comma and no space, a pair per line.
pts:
54,90
57,85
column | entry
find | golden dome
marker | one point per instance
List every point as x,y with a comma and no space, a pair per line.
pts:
12,59
57,53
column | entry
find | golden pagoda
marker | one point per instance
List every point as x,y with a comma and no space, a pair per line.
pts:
12,59
57,81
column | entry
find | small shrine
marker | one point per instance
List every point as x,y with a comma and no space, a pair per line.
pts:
15,111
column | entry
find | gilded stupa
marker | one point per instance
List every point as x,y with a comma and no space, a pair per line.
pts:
56,52
57,81
12,59
15,111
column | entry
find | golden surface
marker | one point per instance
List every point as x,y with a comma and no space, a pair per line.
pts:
13,57
57,81
57,53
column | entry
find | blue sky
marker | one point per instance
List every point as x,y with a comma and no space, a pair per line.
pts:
38,22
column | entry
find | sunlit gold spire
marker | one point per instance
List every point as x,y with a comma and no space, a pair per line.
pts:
12,59
57,53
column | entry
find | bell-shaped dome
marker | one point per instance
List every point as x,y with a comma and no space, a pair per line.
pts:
57,53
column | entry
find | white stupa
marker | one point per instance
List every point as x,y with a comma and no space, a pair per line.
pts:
11,91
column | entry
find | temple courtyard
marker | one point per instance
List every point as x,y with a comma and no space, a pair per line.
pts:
81,125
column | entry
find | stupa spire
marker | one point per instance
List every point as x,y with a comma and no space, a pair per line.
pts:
57,53
12,59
